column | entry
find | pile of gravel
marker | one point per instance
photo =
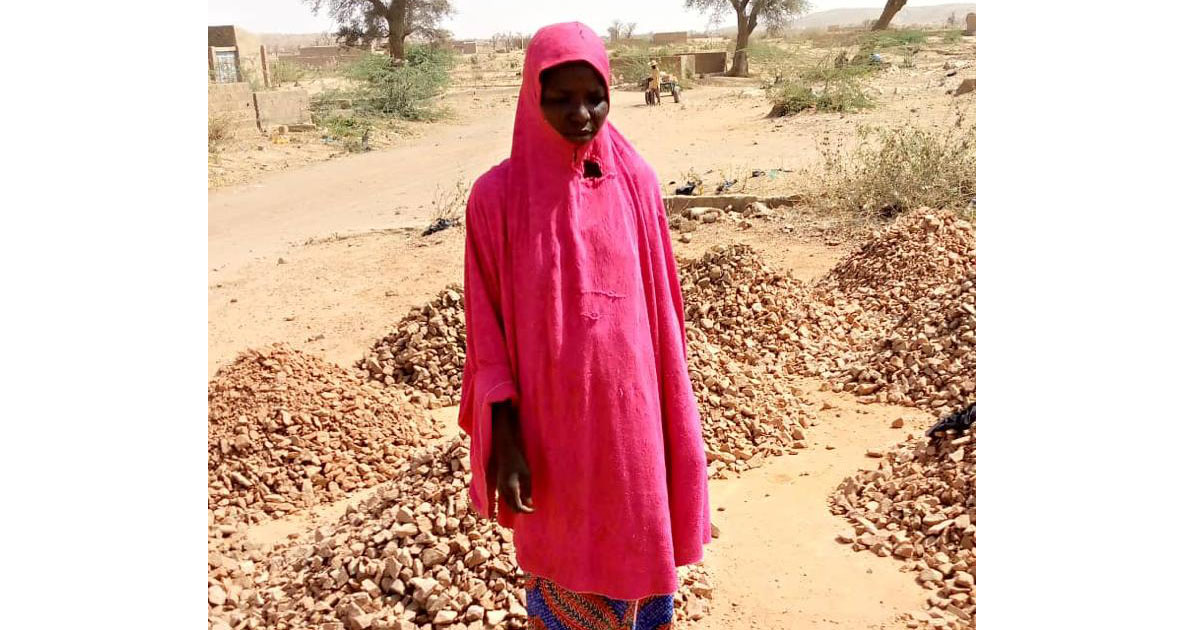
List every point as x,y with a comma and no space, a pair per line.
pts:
288,430
413,555
895,321
919,507
426,351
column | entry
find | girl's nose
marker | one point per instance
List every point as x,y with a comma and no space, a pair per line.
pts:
578,114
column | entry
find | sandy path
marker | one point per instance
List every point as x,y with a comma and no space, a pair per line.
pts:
718,129
776,564
383,189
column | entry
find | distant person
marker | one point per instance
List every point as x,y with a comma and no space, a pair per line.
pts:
576,393
655,84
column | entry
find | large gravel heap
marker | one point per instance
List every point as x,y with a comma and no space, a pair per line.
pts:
287,430
738,302
411,555
739,325
895,321
919,507
426,351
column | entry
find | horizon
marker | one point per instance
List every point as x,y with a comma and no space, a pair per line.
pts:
479,19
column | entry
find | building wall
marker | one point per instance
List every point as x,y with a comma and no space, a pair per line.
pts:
247,112
281,107
681,66
675,37
250,57
325,56
249,53
234,103
689,66
222,36
710,62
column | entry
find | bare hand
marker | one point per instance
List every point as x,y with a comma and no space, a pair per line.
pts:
513,481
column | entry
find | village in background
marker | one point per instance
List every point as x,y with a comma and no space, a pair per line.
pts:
323,98
819,177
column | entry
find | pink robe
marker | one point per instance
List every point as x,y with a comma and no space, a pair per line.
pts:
574,312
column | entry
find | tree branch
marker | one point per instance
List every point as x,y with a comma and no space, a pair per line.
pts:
758,5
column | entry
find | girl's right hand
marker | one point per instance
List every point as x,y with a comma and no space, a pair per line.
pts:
512,472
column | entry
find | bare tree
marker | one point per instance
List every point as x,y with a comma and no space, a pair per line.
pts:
889,11
614,31
619,30
774,13
362,22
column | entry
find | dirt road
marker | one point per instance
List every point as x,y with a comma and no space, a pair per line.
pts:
718,129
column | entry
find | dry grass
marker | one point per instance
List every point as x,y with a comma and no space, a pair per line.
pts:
284,71
449,206
220,131
894,170
844,94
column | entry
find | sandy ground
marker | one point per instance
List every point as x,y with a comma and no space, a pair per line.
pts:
326,256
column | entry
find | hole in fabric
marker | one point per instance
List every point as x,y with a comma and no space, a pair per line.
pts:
591,169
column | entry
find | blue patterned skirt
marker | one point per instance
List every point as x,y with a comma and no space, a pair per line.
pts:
551,607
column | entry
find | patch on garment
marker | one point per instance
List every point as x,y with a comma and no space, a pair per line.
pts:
596,302
551,607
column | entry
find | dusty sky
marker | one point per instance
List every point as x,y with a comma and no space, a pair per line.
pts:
482,18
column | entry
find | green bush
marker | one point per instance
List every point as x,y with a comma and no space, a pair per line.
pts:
890,39
344,127
831,69
630,65
400,91
842,94
346,131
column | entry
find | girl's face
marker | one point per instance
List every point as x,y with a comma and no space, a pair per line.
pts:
574,101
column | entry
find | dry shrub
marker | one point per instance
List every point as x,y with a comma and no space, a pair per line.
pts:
894,170
843,94
449,204
284,71
219,131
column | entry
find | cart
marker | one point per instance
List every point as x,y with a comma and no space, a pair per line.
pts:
667,84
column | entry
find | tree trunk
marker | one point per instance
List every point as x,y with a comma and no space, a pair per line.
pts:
741,64
889,11
396,30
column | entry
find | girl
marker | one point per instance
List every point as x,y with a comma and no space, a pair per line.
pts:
576,392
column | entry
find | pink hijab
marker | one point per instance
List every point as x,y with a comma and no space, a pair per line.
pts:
574,313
